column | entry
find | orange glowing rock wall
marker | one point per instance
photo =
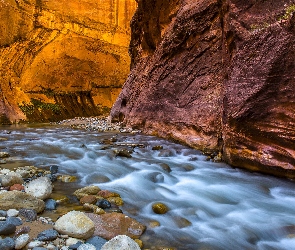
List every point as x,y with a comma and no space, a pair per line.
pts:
61,58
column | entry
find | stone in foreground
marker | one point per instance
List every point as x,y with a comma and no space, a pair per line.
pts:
110,225
75,224
121,242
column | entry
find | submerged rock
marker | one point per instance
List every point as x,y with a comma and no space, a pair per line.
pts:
160,208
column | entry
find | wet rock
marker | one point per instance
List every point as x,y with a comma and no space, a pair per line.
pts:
40,188
121,242
116,200
75,224
50,204
110,225
157,147
6,228
28,214
14,220
96,178
67,178
47,235
123,153
86,247
17,187
11,179
4,155
154,224
91,199
103,204
90,190
12,212
166,153
7,244
160,208
54,169
96,241
107,194
21,241
95,209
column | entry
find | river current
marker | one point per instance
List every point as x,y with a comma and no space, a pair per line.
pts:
211,205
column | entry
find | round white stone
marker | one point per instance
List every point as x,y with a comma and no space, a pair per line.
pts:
40,188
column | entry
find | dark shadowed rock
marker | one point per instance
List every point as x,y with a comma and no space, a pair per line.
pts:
6,228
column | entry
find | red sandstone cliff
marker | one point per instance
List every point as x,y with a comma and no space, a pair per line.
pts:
218,75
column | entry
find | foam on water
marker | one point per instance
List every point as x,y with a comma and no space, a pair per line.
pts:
211,205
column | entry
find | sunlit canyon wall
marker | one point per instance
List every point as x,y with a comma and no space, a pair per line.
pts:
62,58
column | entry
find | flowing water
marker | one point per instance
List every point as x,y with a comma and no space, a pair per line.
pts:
211,205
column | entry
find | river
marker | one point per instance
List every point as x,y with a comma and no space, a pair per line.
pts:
211,205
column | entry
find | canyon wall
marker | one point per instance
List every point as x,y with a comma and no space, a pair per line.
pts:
218,75
60,59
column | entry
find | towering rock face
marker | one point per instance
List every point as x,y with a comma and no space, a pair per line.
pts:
218,75
62,58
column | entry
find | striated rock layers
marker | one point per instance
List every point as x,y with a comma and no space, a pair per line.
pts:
218,75
62,58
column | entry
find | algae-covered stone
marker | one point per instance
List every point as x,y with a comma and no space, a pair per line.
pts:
90,190
18,200
160,208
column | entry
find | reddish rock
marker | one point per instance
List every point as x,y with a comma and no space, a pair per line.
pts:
17,187
110,225
217,75
91,199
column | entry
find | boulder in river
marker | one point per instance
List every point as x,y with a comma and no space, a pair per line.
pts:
40,188
75,224
110,225
18,200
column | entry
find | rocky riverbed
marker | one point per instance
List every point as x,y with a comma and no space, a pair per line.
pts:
31,218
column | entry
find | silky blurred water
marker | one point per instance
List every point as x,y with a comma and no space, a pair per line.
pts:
211,205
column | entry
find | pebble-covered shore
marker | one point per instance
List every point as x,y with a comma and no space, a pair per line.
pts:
97,223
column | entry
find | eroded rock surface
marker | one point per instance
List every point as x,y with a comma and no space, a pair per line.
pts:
60,59
217,75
